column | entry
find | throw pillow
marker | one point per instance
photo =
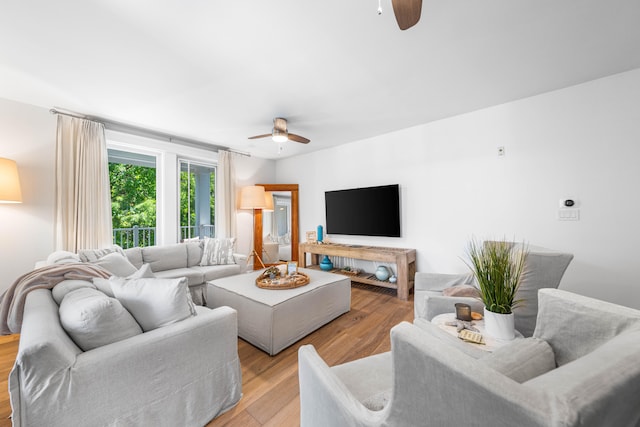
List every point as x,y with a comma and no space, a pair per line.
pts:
60,290
461,291
218,251
92,319
62,257
523,359
155,303
104,285
92,255
116,264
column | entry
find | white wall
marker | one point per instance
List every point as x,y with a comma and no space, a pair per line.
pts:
28,136
582,142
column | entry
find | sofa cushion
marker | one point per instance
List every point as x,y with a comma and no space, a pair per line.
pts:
91,255
104,285
60,290
194,252
212,272
93,319
163,258
194,277
62,257
523,359
218,251
462,291
116,264
134,255
155,303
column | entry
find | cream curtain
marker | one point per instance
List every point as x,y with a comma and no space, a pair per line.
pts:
83,199
226,195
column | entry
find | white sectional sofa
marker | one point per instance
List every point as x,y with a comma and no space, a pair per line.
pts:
130,349
183,260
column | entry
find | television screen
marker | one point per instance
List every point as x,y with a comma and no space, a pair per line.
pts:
370,211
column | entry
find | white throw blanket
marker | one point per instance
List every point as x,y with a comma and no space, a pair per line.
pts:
12,301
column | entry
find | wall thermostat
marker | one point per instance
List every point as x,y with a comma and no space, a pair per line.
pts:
568,203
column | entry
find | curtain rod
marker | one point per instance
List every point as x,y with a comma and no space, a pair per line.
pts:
140,131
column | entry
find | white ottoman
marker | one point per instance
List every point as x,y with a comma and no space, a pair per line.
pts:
274,319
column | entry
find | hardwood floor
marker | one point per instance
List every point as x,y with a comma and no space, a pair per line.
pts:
270,384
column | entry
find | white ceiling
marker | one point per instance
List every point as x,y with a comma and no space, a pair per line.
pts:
219,71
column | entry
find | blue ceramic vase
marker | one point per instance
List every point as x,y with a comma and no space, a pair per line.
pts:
326,264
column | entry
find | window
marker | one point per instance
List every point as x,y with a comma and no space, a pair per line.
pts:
132,178
197,199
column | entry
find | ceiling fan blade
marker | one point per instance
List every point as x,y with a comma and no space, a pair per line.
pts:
298,138
260,136
407,12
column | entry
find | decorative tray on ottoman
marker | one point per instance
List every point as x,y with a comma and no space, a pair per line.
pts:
271,280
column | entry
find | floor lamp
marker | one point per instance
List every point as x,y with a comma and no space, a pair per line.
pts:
253,197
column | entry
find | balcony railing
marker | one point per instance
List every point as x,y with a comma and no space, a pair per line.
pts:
134,236
146,236
202,231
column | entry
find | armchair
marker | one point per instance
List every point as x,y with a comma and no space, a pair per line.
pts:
544,268
590,377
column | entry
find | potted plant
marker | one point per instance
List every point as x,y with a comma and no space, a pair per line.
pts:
498,270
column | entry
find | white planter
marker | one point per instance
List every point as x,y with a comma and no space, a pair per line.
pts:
499,326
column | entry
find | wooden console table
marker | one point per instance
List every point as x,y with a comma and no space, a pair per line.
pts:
405,260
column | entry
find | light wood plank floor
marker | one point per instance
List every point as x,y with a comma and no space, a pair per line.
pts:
270,384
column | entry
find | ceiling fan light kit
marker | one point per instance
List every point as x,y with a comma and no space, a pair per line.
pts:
278,136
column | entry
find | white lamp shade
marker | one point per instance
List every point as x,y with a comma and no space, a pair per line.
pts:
9,182
252,197
268,201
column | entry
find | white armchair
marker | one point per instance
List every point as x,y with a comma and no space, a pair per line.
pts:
543,268
579,369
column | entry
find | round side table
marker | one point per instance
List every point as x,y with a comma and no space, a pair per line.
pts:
491,343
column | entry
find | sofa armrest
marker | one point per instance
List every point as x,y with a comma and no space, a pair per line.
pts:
44,345
459,390
325,400
241,260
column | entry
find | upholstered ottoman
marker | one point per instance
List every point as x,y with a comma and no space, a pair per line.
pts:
274,319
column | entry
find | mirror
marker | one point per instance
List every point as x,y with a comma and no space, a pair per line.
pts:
276,234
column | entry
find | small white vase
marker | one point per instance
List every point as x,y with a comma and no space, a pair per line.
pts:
499,326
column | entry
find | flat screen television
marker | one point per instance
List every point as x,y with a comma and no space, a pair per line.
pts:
370,211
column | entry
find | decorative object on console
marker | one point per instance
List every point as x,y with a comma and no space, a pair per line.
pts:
312,237
326,263
319,235
382,273
9,182
498,271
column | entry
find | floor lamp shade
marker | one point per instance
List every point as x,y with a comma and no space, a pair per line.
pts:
268,201
252,197
9,182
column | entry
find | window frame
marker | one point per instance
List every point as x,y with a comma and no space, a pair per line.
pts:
167,176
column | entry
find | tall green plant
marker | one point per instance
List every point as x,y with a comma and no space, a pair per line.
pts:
498,271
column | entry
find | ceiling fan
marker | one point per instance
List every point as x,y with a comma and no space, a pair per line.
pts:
281,134
407,12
